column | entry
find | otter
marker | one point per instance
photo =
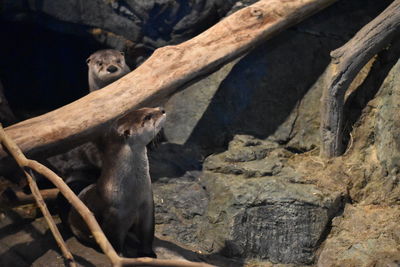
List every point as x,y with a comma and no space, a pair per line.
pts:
105,67
122,198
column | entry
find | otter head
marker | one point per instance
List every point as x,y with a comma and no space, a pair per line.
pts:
140,126
106,66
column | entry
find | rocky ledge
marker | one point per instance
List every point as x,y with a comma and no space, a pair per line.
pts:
260,207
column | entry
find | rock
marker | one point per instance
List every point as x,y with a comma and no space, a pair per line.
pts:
373,156
28,242
270,216
171,160
254,200
186,108
248,156
257,98
253,96
83,157
387,134
22,240
151,22
179,207
368,232
363,236
83,255
300,131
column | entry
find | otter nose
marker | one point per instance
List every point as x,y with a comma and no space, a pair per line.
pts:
112,69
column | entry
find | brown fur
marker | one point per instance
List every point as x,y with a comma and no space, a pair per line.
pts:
122,198
105,67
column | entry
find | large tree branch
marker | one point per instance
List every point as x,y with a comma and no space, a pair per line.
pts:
167,70
346,62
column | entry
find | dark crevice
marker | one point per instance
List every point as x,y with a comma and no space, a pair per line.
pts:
296,150
42,69
335,213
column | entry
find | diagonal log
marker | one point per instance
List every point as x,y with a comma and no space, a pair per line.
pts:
346,62
170,68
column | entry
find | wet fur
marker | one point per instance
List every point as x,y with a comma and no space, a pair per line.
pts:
122,198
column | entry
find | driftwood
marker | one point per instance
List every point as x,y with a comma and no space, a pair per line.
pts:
170,68
4,140
28,165
346,62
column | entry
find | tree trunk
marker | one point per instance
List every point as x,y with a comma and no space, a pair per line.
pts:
170,68
346,62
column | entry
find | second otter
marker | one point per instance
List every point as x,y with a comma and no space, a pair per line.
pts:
122,198
105,67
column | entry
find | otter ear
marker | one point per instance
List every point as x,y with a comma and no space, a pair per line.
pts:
88,60
127,133
124,130
122,54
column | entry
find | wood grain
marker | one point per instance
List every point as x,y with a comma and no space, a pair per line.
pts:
169,69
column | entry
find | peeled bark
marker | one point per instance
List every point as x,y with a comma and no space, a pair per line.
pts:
346,62
170,68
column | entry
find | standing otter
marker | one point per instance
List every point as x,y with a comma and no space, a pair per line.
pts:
122,198
105,67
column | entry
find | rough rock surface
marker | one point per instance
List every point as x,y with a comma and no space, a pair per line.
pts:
134,25
262,208
373,156
180,205
257,200
266,94
186,108
367,234
363,236
25,240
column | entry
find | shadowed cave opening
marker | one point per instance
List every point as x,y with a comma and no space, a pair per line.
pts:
42,69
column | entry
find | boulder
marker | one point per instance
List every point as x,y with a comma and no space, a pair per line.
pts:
260,207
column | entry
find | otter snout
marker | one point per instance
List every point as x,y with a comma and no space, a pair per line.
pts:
112,69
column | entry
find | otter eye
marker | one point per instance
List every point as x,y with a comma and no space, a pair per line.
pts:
99,63
148,117
119,61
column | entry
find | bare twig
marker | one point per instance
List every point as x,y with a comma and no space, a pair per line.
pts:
86,214
46,213
41,204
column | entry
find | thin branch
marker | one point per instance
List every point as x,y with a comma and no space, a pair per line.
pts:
46,213
42,205
86,214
